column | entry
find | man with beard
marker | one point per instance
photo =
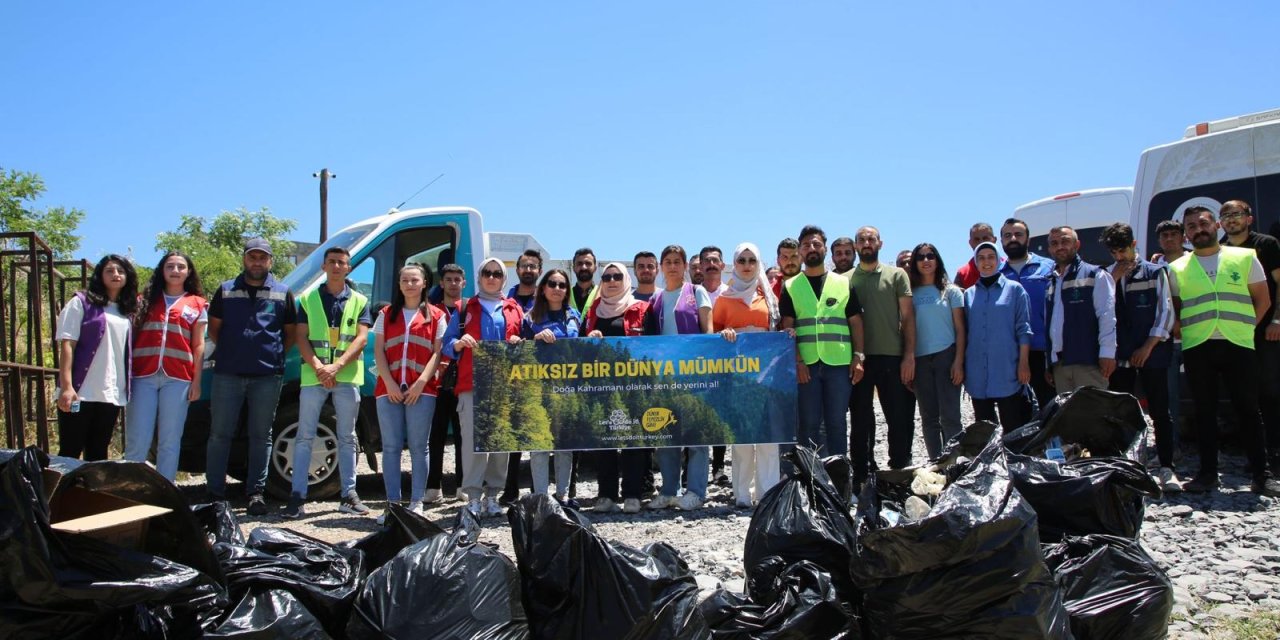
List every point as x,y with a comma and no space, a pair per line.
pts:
823,312
712,260
788,262
584,290
528,270
695,270
1080,317
1033,273
889,321
1237,220
967,275
645,264
1220,294
252,319
842,253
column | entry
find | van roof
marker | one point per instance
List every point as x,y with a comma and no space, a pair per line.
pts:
1227,124
1084,193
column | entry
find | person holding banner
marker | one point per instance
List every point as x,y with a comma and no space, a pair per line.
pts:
549,319
680,308
407,352
747,305
617,313
487,316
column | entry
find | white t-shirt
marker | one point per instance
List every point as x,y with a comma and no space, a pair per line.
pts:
107,377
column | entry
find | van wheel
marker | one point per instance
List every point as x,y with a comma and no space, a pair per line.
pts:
323,481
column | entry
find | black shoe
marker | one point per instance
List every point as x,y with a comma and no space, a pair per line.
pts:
572,503
1202,483
295,509
1265,486
721,480
351,504
257,505
507,499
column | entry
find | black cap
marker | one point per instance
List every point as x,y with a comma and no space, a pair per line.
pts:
258,244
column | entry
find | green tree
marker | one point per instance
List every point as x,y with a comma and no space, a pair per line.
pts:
56,225
217,246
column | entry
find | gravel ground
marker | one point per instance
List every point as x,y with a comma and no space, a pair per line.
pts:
1222,550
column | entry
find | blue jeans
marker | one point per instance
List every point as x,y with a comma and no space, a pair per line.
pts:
699,469
824,399
228,394
346,403
157,403
399,422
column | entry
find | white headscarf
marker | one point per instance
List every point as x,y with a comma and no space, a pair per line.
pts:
480,277
747,290
617,305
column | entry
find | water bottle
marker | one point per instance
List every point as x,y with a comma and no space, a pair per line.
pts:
75,406
1054,451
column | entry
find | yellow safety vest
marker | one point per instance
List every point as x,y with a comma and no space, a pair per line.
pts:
330,343
822,330
1223,305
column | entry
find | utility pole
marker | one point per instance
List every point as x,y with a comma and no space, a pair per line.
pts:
324,176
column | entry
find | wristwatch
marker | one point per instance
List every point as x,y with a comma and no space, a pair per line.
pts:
860,356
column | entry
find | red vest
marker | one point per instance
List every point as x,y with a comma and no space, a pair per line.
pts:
632,318
512,315
164,340
417,339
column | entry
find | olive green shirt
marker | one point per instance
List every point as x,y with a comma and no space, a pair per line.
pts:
879,291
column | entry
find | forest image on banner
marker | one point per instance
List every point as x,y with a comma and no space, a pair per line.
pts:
614,393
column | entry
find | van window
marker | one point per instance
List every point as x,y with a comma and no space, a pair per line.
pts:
375,276
1091,248
1168,205
309,268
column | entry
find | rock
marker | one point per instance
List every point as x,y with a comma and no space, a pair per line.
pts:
706,582
1217,596
1180,511
736,585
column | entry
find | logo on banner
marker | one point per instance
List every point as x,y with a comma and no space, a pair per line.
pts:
657,418
618,420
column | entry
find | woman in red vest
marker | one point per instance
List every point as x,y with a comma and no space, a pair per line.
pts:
407,351
168,351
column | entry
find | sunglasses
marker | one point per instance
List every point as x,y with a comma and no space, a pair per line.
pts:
491,274
556,284
746,261
927,256
611,277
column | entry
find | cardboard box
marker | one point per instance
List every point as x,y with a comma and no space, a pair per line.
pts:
101,516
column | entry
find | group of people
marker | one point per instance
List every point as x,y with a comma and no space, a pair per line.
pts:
1012,331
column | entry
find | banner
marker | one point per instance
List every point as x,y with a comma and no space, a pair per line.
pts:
652,391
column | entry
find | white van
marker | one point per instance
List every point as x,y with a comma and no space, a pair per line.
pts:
1233,159
1088,212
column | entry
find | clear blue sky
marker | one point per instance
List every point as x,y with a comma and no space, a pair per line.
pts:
624,126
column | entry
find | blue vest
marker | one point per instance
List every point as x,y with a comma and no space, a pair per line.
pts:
1034,277
1079,319
251,340
1137,307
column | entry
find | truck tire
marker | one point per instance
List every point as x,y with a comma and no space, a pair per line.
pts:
324,483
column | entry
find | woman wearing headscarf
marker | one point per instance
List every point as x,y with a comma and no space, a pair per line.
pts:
616,313
747,305
998,319
486,316
549,320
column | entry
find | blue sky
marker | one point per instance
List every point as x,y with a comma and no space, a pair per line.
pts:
624,126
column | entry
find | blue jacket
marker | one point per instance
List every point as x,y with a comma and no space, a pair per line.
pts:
997,319
1144,308
1086,301
1034,278
526,302
251,340
567,325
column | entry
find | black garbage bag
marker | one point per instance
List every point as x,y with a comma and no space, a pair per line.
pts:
1107,423
840,470
271,614
218,521
577,585
1112,588
971,567
805,606
801,518
55,584
1086,496
325,578
401,529
447,586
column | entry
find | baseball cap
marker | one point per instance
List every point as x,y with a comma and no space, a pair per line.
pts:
257,244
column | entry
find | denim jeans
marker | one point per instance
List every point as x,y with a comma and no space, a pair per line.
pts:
824,399
399,422
540,462
484,474
699,468
938,398
157,409
346,405
228,394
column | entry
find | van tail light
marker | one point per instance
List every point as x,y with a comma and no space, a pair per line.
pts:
1202,128
1067,195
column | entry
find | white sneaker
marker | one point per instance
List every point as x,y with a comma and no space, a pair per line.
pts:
492,508
1168,480
743,504
382,519
474,507
416,507
433,497
605,505
631,505
689,501
662,502
461,496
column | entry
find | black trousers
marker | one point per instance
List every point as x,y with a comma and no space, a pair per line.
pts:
512,489
1037,362
1015,410
1269,392
88,431
630,465
882,376
1206,364
446,414
1155,381
717,460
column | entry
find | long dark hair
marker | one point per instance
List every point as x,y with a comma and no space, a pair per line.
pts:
97,291
540,305
397,296
940,273
154,293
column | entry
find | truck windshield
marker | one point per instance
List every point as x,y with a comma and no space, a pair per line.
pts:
307,270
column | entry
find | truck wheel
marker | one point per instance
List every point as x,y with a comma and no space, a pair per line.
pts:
323,481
